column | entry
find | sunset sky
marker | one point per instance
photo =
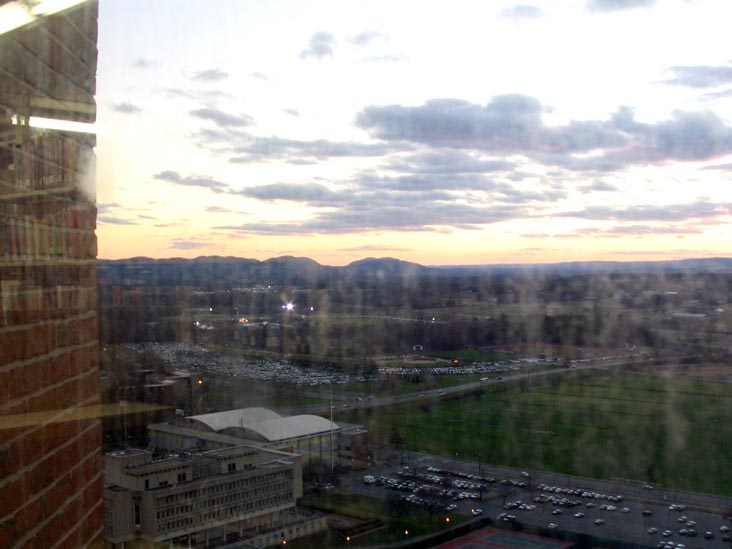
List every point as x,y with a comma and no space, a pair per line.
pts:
437,132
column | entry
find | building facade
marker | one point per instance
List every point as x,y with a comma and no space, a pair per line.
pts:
203,499
51,486
315,438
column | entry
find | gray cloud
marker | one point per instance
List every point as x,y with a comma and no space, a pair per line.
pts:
513,123
447,161
191,181
142,63
182,244
597,186
126,108
195,95
721,167
415,216
700,76
375,248
103,208
720,94
297,192
112,220
698,210
371,204
291,112
521,11
439,186
428,182
646,230
364,38
222,118
210,75
506,123
257,149
617,5
689,136
677,252
321,45
220,209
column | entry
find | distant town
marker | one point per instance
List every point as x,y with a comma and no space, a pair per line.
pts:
583,403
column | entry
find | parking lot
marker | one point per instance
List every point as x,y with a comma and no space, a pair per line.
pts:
448,486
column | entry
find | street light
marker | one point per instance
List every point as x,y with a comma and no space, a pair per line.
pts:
123,404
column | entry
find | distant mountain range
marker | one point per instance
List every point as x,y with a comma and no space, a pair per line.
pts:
301,271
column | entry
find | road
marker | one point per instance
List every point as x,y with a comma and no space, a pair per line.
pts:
631,526
341,402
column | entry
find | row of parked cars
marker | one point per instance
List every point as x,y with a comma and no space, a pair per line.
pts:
578,492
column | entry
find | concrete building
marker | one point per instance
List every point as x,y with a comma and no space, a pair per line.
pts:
313,437
205,499
51,490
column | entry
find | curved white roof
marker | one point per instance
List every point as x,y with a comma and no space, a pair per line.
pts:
235,418
283,428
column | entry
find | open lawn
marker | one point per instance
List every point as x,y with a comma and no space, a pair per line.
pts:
663,430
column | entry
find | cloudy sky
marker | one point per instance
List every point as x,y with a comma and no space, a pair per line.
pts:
438,132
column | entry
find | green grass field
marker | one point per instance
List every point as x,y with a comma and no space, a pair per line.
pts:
668,431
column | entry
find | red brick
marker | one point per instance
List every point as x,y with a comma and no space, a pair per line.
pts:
14,421
46,401
12,458
53,530
88,330
67,394
66,458
57,368
80,358
12,496
41,339
7,534
68,333
92,494
91,532
90,442
28,517
58,433
56,496
11,345
72,539
41,476
35,445
25,379
89,385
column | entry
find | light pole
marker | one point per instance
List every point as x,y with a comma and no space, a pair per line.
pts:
331,428
123,405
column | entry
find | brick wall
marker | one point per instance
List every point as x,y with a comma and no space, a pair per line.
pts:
51,487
